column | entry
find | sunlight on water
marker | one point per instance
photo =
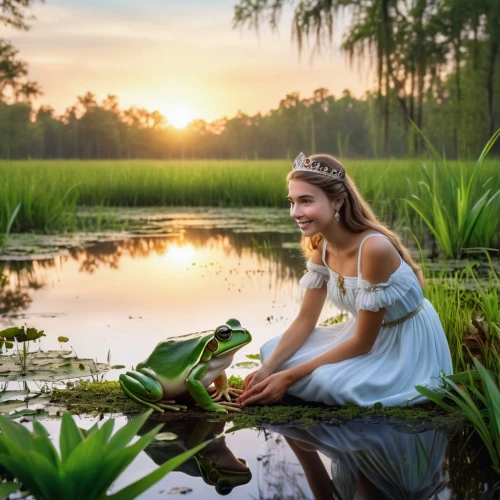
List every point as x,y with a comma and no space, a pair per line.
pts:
124,297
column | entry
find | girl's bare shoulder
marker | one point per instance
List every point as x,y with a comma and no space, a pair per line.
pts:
379,259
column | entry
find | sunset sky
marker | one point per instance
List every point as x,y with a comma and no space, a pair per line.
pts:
179,57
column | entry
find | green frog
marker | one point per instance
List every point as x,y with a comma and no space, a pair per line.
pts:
188,364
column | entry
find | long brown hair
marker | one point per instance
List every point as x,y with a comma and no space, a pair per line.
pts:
356,214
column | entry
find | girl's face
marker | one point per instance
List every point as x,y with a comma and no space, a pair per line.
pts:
310,207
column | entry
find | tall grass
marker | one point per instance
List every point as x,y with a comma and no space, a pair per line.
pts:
51,190
468,308
458,209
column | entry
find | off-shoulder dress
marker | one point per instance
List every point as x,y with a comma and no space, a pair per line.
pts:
411,348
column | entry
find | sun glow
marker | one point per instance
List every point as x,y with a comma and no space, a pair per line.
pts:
178,113
181,255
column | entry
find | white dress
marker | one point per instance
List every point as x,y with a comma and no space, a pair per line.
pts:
405,353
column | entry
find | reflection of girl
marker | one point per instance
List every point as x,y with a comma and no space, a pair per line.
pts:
369,461
394,340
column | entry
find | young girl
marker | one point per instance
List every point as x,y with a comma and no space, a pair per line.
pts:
394,340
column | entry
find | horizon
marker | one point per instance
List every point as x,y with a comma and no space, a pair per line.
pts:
72,49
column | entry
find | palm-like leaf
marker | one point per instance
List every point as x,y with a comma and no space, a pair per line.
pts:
89,463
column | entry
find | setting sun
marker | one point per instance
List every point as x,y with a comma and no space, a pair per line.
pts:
178,114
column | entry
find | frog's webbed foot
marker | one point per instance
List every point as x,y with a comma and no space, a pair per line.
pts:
223,407
171,406
226,393
223,390
231,406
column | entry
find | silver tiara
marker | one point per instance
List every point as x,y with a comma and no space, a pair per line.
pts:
308,165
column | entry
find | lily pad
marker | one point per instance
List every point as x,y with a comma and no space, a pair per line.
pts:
49,365
246,364
253,356
166,436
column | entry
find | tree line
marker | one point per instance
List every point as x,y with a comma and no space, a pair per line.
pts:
424,52
437,66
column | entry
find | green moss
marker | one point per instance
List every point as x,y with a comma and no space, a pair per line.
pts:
236,382
304,414
108,397
91,397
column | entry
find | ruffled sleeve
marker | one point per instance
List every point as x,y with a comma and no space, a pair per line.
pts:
315,276
372,297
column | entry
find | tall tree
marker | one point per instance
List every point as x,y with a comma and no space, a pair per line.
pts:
16,13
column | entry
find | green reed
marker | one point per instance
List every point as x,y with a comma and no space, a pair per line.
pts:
477,394
460,207
469,311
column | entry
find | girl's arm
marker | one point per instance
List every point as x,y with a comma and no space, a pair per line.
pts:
296,334
379,260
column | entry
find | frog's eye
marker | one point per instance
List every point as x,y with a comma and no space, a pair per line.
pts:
223,332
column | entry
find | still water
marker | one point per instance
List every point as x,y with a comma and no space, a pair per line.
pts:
120,298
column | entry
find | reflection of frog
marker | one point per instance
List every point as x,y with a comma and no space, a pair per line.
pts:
189,363
216,464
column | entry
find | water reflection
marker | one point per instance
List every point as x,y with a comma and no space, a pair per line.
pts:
215,464
368,462
19,278
469,467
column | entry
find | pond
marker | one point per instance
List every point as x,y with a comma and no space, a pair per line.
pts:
191,272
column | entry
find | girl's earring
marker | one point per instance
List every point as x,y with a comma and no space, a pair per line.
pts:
337,215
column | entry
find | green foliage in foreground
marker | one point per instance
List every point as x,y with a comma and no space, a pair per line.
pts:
480,404
89,461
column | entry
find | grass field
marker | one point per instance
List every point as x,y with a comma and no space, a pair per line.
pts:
50,191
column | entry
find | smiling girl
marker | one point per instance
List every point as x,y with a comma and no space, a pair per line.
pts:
394,339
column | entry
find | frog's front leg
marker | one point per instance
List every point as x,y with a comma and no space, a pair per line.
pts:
146,390
199,392
222,389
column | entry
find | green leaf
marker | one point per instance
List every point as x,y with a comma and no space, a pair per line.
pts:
34,334
62,339
124,435
7,489
84,467
12,432
43,444
135,489
69,437
11,333
115,463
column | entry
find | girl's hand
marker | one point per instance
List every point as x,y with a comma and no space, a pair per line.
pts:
255,377
269,390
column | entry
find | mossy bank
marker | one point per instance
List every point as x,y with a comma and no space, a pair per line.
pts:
107,397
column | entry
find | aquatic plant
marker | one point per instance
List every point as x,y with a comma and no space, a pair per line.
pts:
477,394
22,335
88,463
7,225
457,208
